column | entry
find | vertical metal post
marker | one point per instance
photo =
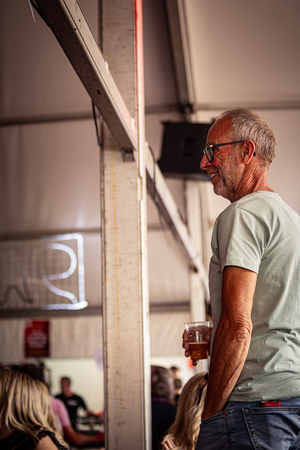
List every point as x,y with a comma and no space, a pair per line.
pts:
124,252
197,292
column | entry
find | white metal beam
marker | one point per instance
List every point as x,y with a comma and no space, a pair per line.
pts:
72,31
167,207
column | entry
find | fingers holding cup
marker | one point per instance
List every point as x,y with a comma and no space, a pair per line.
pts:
198,335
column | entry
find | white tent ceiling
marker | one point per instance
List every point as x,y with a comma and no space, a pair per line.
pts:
245,52
242,52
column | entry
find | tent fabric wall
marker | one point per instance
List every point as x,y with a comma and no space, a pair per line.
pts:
234,67
72,337
50,176
166,331
49,171
36,77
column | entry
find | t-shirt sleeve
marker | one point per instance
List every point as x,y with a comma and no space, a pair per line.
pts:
242,238
64,415
81,403
60,411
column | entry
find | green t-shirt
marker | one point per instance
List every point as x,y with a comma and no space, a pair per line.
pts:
261,233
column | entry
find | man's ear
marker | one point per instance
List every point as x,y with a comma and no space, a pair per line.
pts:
248,151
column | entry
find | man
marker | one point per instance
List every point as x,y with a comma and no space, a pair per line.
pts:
253,395
72,401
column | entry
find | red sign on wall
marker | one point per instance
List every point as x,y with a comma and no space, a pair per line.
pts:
37,339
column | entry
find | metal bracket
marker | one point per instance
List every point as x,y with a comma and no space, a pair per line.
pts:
127,154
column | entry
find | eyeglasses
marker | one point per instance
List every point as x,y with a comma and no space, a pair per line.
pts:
210,149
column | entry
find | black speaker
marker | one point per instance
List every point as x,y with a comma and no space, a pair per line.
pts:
182,150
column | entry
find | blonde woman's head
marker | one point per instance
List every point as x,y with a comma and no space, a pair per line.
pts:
185,429
20,404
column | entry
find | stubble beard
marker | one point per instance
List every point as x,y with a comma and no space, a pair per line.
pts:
226,185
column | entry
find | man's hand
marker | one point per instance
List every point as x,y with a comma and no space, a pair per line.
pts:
186,346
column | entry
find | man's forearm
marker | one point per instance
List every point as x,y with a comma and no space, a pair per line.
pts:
228,356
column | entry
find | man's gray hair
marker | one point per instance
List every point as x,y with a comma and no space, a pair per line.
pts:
248,125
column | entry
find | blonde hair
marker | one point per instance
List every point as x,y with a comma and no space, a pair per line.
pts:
48,411
46,405
185,429
20,404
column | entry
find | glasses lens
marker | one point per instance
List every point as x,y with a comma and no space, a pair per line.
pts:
208,153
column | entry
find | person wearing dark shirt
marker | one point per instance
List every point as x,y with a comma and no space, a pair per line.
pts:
72,401
162,402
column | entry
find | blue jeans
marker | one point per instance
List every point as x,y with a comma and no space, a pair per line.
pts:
243,426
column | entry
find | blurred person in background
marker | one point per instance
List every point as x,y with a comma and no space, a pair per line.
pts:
162,402
177,389
23,423
72,401
177,382
175,371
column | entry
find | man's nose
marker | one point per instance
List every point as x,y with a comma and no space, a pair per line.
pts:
204,163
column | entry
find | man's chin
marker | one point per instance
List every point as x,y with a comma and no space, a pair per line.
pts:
219,191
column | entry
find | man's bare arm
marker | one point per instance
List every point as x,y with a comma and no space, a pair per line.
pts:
232,338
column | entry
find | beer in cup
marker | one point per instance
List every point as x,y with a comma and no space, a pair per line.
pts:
197,332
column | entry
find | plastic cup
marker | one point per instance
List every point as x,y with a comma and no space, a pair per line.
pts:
197,332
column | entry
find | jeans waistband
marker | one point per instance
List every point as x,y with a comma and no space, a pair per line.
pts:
295,401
